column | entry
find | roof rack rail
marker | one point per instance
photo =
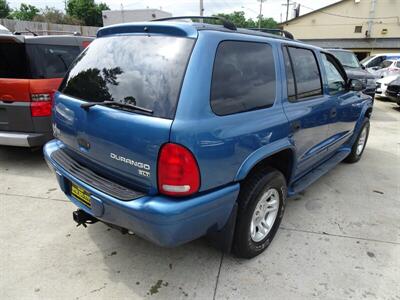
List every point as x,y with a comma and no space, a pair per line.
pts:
35,33
226,23
284,33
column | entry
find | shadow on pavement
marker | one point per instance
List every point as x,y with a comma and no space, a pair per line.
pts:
20,155
145,268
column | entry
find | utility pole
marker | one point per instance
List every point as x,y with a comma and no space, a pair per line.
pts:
201,8
260,15
287,9
371,18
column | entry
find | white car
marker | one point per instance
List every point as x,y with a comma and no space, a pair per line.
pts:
375,60
382,84
386,68
4,30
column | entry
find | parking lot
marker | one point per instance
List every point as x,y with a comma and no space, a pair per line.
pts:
338,240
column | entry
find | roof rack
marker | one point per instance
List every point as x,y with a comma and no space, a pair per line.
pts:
35,33
227,24
284,33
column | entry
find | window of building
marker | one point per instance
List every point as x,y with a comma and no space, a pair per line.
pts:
243,77
358,29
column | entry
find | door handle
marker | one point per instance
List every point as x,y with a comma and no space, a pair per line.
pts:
333,113
296,126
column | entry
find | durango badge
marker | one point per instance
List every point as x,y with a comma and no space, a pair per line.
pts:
143,169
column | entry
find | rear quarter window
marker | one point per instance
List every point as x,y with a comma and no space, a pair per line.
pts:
13,62
243,77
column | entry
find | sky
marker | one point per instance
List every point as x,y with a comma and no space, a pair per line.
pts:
271,8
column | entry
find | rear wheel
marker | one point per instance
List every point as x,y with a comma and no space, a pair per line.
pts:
359,144
261,206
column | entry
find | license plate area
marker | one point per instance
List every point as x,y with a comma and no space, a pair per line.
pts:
80,194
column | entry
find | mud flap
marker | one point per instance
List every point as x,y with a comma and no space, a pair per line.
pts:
223,239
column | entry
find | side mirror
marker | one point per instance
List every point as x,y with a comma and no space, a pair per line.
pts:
355,85
375,68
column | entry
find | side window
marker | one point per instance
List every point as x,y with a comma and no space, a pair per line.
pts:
291,88
336,82
305,73
243,77
376,61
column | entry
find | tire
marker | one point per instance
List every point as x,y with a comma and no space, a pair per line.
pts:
249,240
356,152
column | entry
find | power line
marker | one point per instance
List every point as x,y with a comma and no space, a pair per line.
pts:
350,17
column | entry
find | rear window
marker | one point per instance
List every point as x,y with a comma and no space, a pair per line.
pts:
35,61
50,61
347,59
146,71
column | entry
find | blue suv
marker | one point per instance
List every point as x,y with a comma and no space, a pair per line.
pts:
174,130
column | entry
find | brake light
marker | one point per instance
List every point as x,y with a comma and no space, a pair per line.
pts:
41,105
177,170
85,44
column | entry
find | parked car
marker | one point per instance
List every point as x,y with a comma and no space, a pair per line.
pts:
387,68
31,69
138,115
393,90
355,70
4,30
375,60
382,84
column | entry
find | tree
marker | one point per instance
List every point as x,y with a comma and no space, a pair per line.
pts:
239,19
53,15
268,23
4,9
87,10
26,12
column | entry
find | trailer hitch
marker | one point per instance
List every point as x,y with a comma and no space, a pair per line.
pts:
83,218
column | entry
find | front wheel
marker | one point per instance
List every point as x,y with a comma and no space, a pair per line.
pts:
359,144
261,206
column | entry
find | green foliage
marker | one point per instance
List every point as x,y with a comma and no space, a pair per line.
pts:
239,19
53,15
268,23
4,9
26,12
87,10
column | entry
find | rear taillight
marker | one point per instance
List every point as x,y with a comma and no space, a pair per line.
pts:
41,105
177,170
85,44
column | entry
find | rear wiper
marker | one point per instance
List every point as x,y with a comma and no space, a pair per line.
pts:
88,105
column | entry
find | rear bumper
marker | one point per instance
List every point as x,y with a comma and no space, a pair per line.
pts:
162,220
24,139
